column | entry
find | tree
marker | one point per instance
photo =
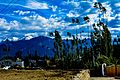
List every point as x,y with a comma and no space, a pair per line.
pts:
100,37
18,54
116,48
58,44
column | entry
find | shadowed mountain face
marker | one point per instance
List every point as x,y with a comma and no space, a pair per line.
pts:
43,46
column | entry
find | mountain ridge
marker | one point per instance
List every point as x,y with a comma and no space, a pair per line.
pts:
39,44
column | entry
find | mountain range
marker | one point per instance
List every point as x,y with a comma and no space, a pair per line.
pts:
43,46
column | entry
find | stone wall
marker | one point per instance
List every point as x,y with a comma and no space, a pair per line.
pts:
83,75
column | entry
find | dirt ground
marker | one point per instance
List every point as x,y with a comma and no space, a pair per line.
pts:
36,75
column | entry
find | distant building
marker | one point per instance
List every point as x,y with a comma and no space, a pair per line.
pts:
6,62
19,62
9,62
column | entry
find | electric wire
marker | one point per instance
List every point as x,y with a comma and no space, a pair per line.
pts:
7,7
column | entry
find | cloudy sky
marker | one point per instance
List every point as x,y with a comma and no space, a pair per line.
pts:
33,18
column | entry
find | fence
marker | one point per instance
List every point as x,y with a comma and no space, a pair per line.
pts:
113,70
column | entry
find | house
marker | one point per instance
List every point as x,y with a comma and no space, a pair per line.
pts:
5,62
19,62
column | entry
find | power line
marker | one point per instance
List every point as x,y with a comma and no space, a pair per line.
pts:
8,6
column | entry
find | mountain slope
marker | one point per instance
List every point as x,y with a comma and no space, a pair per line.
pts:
42,45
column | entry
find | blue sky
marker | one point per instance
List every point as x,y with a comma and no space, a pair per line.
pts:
32,18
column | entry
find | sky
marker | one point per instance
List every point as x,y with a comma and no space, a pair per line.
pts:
32,18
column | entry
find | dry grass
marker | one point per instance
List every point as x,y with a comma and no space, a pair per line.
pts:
36,75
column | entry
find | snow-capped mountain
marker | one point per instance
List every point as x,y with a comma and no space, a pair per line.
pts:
32,18
43,46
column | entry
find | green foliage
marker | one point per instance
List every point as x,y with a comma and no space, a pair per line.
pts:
67,55
103,59
102,41
58,45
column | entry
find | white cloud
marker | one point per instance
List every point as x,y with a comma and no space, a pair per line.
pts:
118,25
93,18
22,12
4,24
118,15
113,29
31,28
109,14
114,36
14,24
83,36
73,14
39,22
42,19
117,4
37,5
29,36
80,36
7,26
95,1
14,39
44,33
54,8
66,37
26,18
35,22
71,2
88,10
